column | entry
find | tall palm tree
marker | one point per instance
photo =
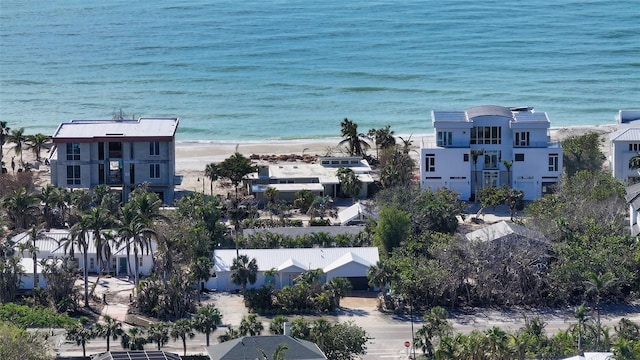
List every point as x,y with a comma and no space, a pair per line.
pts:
4,136
435,326
597,285
379,275
21,207
134,231
52,199
158,333
36,233
475,154
244,271
383,138
212,171
19,139
79,236
110,329
99,219
182,329
508,164
207,320
37,142
200,270
134,339
356,143
81,335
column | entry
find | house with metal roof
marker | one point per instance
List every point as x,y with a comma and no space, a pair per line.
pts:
625,146
633,200
319,178
505,231
474,146
351,263
119,153
53,246
252,347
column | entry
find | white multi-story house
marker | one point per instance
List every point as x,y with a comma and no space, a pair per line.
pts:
490,134
625,144
119,153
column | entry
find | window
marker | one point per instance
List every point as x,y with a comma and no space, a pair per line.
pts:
73,175
465,157
519,157
430,163
445,138
140,261
154,171
553,162
92,263
154,148
491,159
486,135
634,147
73,151
115,149
522,138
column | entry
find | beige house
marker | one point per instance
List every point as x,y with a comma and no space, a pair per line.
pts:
119,153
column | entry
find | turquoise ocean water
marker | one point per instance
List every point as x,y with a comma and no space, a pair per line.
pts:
259,70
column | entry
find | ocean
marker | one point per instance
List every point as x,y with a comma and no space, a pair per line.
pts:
293,69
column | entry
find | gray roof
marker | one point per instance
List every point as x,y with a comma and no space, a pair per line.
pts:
632,195
247,347
303,258
489,110
449,116
504,229
302,231
136,355
531,117
628,134
141,128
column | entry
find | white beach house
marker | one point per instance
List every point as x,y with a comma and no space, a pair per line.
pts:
351,263
625,144
491,134
52,246
120,153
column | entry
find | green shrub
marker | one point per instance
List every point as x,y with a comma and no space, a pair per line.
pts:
33,317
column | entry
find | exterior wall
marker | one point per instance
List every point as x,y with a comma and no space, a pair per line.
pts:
620,156
530,172
135,156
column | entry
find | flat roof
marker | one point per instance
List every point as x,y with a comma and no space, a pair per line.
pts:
106,129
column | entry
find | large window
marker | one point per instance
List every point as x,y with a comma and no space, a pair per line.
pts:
486,135
430,162
491,159
154,171
73,151
73,175
553,162
522,138
445,138
154,148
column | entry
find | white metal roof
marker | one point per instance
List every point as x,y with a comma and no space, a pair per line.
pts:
288,188
502,229
629,134
352,212
304,258
143,127
53,243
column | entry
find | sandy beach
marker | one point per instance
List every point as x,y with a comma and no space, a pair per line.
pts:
193,156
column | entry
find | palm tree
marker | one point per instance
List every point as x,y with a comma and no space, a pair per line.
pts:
356,143
244,271
212,171
435,326
21,207
78,236
475,154
158,333
182,329
110,329
337,288
37,142
36,233
250,325
207,320
134,339
53,199
134,231
349,182
597,284
379,275
581,326
81,335
17,137
99,219
235,168
508,164
497,341
271,194
383,138
4,136
200,270
278,353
